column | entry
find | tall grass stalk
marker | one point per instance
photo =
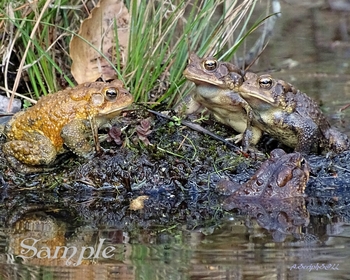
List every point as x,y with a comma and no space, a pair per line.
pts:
162,35
34,43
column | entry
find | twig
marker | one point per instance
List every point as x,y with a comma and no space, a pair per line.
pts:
341,168
20,68
19,95
269,25
198,128
256,58
344,107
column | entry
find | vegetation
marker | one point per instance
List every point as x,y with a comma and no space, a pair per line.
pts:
37,35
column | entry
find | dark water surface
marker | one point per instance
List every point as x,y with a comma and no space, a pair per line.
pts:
276,243
239,249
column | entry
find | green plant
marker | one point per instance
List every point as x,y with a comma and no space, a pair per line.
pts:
35,33
159,49
162,34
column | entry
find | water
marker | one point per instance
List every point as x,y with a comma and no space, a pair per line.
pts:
283,245
237,249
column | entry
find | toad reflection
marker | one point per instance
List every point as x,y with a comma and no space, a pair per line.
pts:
274,194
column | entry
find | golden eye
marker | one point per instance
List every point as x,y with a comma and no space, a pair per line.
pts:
111,93
265,82
210,64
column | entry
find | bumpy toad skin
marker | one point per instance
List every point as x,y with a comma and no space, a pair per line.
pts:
59,121
281,176
274,194
290,115
216,84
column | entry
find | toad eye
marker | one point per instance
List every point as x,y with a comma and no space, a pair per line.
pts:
265,82
210,64
111,93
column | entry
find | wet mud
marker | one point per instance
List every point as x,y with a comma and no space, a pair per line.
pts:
175,176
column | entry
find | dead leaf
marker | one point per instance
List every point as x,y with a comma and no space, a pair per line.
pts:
98,29
138,203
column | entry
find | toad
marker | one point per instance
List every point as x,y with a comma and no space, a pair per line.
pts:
62,121
281,176
281,218
216,83
290,116
274,194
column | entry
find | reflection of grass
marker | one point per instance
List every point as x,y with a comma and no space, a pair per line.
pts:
163,33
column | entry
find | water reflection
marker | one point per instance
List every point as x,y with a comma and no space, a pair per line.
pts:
41,244
279,217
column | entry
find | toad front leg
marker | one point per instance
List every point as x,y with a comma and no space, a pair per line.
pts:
77,136
252,133
307,132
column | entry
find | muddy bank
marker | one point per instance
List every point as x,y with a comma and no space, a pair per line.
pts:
178,173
